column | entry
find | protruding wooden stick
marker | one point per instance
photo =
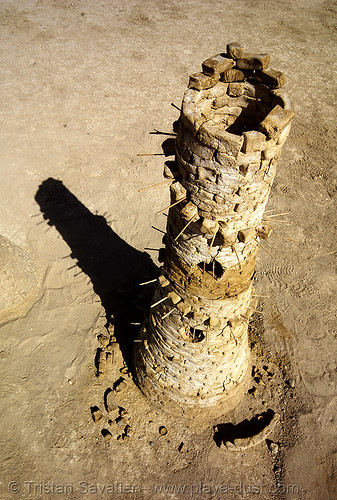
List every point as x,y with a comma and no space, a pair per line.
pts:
255,310
150,154
276,220
175,106
167,314
259,243
277,215
147,282
237,256
162,133
154,185
170,206
185,227
158,302
283,237
159,230
210,247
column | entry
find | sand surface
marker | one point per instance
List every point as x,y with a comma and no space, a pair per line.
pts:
84,83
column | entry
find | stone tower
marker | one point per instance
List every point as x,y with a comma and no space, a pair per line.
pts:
192,353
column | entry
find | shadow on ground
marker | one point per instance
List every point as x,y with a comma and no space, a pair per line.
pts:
113,266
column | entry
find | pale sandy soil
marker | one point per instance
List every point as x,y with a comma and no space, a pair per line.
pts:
84,83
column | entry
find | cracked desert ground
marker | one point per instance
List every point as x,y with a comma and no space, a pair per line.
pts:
84,83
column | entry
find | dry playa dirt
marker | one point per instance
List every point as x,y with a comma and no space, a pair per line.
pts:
85,87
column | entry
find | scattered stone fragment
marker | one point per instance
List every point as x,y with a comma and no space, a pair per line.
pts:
273,447
122,412
106,434
109,358
120,385
216,65
181,447
96,413
291,383
199,81
229,444
270,77
128,431
110,401
124,370
253,61
121,421
162,431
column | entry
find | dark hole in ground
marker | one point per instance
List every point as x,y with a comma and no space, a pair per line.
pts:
245,429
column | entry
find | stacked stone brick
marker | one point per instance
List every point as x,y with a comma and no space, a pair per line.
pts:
193,348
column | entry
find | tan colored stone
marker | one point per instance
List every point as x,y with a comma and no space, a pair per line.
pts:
174,297
177,191
189,211
96,414
184,308
216,65
246,235
209,226
213,134
201,81
163,281
282,99
264,230
235,89
235,50
233,75
253,141
276,121
254,61
270,77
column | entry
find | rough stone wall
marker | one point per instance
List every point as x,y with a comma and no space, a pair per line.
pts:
193,348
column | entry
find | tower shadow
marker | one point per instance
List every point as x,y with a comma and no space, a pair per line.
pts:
113,266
